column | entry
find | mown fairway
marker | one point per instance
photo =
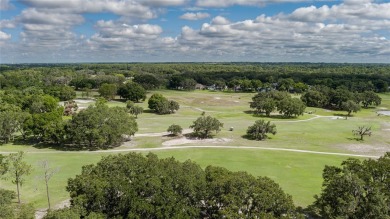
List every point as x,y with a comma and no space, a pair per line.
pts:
299,174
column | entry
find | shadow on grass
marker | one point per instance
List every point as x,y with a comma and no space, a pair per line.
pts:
262,115
149,111
355,139
59,147
248,137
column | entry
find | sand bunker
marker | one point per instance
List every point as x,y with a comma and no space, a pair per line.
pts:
384,112
184,140
367,149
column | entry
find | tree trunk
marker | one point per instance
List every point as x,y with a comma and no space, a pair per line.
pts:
17,189
47,192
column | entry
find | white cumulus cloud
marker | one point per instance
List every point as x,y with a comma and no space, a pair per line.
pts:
194,16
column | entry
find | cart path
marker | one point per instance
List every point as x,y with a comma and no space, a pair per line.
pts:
201,147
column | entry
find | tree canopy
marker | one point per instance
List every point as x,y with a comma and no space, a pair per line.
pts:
260,129
100,127
357,189
132,91
205,125
135,186
161,105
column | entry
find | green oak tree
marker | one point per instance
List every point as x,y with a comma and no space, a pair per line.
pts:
108,91
350,106
132,91
356,189
161,105
205,125
370,98
175,129
136,110
100,127
260,129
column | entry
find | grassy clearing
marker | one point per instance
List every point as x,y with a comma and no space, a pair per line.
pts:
299,174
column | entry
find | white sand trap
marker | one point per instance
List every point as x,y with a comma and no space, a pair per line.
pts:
384,112
366,148
217,98
184,140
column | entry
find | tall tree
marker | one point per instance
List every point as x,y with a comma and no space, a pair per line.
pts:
362,131
100,127
370,98
162,105
132,91
17,170
205,125
108,91
357,189
260,129
291,107
350,106
47,174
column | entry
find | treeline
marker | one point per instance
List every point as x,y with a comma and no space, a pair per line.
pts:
246,77
135,186
31,115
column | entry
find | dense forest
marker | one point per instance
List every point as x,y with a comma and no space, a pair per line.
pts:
249,76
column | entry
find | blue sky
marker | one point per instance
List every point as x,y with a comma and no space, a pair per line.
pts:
47,31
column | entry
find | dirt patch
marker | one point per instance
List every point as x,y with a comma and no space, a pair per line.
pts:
158,134
368,149
185,140
40,213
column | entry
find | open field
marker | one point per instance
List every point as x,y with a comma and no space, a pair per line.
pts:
299,174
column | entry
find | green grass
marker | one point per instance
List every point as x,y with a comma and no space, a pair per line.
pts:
299,174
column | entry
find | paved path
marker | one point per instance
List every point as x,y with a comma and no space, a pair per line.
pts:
201,147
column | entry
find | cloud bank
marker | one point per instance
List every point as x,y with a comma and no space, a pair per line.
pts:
349,31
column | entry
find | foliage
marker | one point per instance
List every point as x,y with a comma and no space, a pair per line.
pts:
162,105
108,91
370,98
72,213
204,125
3,165
63,92
25,211
357,189
17,170
100,127
132,91
259,130
147,81
240,195
136,110
362,131
134,186
350,106
291,107
70,107
12,121
314,98
129,104
175,129
266,102
48,126
6,208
